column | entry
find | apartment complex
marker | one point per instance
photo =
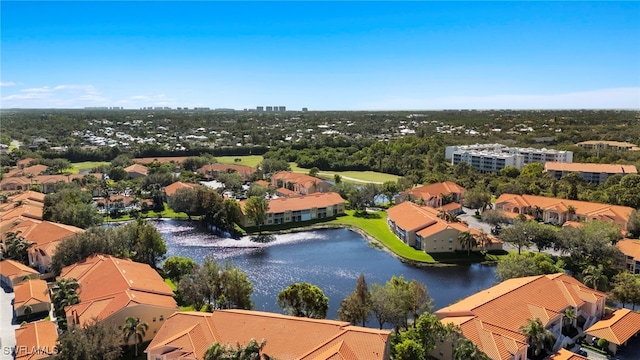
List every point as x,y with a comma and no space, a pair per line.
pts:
434,195
590,172
495,157
608,145
301,183
629,258
558,211
187,335
300,208
492,319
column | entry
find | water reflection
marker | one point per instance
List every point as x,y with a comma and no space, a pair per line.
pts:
331,259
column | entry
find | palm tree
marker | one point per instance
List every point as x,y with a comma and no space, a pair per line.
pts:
467,350
134,327
65,293
28,310
539,337
16,247
571,211
569,315
594,277
467,241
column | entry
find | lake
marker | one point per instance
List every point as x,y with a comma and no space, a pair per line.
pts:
332,259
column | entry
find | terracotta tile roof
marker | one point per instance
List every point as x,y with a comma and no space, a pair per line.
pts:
422,219
629,247
126,200
137,168
585,209
34,170
102,308
190,334
31,292
167,159
295,178
103,275
450,207
507,306
243,170
590,167
13,269
25,161
29,210
262,183
28,195
47,235
36,340
564,354
303,202
286,192
427,192
620,327
171,189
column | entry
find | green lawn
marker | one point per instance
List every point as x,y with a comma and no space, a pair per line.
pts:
357,177
87,165
375,225
248,160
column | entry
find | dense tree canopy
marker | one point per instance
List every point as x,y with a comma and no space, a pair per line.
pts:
304,300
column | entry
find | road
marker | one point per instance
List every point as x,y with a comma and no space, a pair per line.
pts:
7,326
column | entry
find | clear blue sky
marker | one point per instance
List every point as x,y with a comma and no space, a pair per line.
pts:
321,55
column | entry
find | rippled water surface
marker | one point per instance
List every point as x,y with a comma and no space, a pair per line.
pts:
331,259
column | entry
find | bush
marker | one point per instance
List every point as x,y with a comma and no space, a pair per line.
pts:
603,344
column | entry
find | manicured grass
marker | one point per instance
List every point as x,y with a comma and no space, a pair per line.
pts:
87,165
375,225
171,284
356,177
248,160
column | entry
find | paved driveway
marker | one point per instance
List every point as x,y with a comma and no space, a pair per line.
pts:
7,327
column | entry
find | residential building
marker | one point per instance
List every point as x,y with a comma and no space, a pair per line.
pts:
32,293
590,172
33,170
492,319
422,228
175,160
300,208
213,170
557,211
608,145
564,354
46,182
171,189
21,164
629,258
617,329
36,340
136,171
495,157
187,335
434,195
300,183
114,289
13,273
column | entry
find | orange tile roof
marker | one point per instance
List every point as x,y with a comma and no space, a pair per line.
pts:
13,269
28,195
138,168
47,235
36,340
316,200
29,210
31,292
295,178
286,192
189,334
510,304
171,189
620,327
422,219
586,209
629,247
25,161
450,207
126,200
590,167
427,192
103,275
34,170
262,183
564,354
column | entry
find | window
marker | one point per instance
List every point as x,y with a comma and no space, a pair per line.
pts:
154,319
161,317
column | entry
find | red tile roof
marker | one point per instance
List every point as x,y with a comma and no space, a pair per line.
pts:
618,328
137,168
31,292
167,159
421,219
427,192
295,178
245,171
629,247
564,354
171,189
36,340
303,202
13,269
189,334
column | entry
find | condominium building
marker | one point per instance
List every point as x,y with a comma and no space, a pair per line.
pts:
593,173
494,157
608,145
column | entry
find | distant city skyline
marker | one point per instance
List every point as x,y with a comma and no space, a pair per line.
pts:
320,55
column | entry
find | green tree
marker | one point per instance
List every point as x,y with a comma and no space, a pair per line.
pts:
64,293
93,341
467,241
28,310
252,351
236,289
538,337
356,307
595,277
314,171
185,200
626,289
467,350
495,217
477,199
420,339
304,300
389,188
256,209
135,328
569,316
71,206
175,267
519,235
16,247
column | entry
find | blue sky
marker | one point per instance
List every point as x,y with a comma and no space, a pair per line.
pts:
321,55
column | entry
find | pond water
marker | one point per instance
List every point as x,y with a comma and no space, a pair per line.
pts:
332,259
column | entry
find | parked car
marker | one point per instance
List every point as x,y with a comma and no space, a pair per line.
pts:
582,352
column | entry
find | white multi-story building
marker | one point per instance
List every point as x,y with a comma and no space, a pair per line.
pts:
494,157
